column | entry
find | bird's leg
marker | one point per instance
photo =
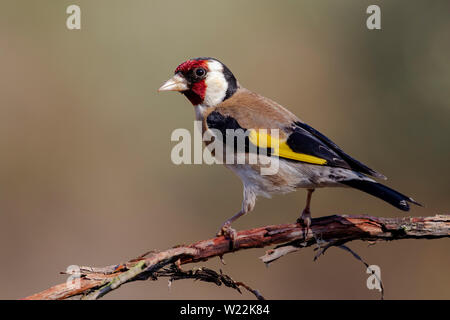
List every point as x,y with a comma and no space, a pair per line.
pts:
247,205
305,218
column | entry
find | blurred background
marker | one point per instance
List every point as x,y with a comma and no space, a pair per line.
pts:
85,170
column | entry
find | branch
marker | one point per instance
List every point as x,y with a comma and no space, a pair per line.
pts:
93,283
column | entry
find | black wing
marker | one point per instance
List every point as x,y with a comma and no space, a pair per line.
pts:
303,133
302,140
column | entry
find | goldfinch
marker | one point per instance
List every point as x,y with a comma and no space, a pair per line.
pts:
306,158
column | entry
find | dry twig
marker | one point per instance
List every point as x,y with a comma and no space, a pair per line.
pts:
328,231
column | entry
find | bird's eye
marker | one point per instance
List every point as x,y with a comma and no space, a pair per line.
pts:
200,72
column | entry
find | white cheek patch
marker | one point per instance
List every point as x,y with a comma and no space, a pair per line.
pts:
216,84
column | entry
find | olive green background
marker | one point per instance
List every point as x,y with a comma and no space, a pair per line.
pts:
85,170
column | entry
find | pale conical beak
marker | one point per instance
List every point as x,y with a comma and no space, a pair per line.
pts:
176,83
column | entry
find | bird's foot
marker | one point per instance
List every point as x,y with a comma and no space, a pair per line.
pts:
305,220
229,233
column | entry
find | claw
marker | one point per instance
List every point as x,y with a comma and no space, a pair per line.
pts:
229,233
305,220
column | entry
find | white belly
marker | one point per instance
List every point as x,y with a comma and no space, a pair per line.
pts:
291,176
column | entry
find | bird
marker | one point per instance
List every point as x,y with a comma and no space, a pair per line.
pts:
306,158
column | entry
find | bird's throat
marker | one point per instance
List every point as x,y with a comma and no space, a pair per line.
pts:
196,94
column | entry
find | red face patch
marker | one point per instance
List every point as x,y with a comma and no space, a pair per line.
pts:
188,65
197,88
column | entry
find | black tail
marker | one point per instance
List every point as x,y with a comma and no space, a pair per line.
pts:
379,190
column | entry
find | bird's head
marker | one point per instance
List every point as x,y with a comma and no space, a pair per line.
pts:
204,81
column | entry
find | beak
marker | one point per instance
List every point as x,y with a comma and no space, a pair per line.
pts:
176,83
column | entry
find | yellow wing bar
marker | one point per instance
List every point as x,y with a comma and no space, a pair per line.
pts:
280,148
